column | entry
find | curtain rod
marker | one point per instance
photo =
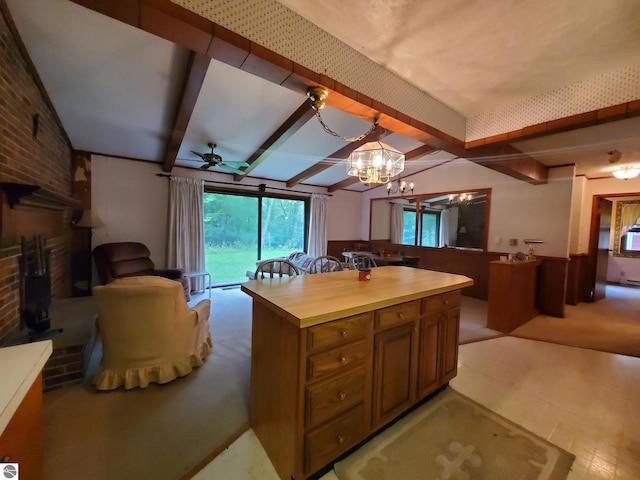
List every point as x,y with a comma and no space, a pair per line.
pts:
262,187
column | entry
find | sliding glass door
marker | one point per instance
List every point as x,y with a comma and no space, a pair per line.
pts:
242,229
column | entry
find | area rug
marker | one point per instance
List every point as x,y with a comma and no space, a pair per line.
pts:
451,437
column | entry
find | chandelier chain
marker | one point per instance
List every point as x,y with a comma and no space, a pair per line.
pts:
347,139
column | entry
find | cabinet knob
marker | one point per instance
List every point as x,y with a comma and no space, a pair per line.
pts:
342,395
340,439
343,333
342,360
400,315
446,302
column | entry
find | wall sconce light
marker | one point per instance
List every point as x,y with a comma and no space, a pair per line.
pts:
400,187
626,172
317,95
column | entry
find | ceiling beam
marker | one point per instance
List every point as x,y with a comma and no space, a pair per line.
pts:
377,134
290,126
410,155
185,28
193,80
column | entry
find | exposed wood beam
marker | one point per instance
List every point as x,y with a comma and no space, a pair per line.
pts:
291,125
341,154
185,28
510,161
410,155
194,78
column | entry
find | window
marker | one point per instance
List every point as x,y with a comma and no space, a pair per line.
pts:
627,229
429,229
409,230
240,229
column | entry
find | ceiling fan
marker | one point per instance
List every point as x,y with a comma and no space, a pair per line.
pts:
214,160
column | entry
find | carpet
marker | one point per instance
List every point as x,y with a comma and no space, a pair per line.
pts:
451,437
164,432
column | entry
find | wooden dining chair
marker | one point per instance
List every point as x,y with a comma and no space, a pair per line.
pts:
276,268
361,262
325,263
409,261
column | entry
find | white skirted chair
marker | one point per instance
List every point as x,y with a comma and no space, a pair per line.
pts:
149,333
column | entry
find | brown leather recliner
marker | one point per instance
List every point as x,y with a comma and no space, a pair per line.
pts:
132,259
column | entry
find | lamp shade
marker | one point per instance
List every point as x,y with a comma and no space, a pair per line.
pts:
375,162
89,219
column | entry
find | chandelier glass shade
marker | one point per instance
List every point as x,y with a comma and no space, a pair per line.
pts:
375,163
626,172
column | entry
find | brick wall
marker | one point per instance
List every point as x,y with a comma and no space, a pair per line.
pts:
44,160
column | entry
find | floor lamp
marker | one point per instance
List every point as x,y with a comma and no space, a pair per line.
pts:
89,220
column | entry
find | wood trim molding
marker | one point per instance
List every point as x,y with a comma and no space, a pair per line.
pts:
573,122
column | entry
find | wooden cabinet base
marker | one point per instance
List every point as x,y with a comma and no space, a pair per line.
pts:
22,441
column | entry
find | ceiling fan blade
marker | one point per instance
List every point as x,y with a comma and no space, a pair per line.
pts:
205,166
235,163
231,169
199,154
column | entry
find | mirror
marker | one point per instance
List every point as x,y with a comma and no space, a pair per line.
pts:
457,219
626,241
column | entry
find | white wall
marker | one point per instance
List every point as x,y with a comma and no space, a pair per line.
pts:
343,216
518,209
132,202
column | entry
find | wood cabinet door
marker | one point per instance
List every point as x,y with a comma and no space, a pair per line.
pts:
449,344
393,372
430,353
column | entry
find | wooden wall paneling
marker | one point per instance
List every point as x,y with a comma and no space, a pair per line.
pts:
577,286
552,286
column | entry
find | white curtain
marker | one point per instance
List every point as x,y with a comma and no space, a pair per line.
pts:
444,228
397,223
186,227
318,226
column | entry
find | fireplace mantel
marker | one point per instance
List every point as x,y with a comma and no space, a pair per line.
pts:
31,210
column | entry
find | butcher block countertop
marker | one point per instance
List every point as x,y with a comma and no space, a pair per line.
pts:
307,300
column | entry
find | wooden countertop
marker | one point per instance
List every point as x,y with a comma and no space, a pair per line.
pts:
19,368
307,300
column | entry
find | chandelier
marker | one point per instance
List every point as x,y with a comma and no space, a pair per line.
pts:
375,163
317,95
461,199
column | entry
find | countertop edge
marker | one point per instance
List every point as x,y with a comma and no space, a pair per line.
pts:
36,358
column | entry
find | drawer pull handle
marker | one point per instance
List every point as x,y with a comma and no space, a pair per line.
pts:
400,316
340,439
343,333
446,302
342,395
342,360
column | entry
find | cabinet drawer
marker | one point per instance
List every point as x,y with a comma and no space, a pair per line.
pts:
338,359
337,333
397,314
330,398
440,303
329,441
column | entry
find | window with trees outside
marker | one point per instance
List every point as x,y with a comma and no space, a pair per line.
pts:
627,229
240,229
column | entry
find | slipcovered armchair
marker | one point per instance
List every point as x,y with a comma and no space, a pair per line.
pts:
127,259
149,333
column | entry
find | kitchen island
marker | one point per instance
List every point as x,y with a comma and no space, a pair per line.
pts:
334,359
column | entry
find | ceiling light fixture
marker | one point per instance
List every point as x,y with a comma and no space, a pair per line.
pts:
375,163
317,95
626,172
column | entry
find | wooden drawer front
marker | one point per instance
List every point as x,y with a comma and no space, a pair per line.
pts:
338,359
397,314
326,443
337,333
440,303
328,399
